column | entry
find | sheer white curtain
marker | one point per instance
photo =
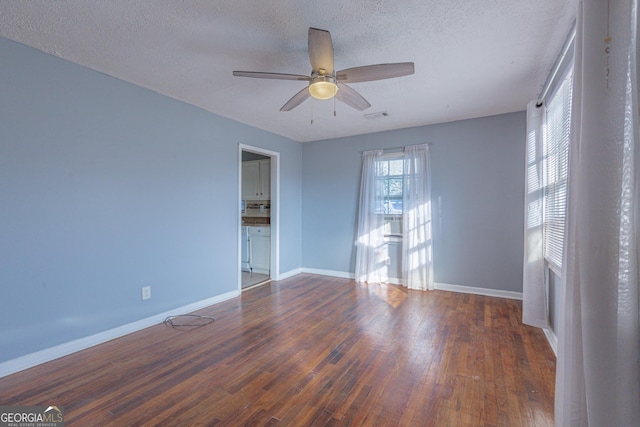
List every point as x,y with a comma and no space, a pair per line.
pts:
370,246
417,252
534,290
597,377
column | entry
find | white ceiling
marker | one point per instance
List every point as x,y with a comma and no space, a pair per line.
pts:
473,58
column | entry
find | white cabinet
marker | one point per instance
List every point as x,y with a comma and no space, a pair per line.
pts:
256,180
245,257
259,249
250,180
265,179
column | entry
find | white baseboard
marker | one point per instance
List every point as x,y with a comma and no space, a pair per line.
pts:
24,362
289,273
27,361
440,286
552,339
332,273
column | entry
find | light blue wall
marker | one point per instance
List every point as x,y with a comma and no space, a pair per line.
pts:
477,190
106,187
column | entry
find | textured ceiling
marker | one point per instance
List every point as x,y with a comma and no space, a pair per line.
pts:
473,58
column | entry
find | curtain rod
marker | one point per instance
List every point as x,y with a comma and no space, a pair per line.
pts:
391,149
556,66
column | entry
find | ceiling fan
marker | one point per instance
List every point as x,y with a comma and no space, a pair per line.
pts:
325,82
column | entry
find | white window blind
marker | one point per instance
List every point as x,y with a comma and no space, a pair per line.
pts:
555,169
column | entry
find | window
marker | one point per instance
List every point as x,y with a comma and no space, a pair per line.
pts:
389,182
395,210
555,170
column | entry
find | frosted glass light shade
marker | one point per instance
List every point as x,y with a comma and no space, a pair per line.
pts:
323,89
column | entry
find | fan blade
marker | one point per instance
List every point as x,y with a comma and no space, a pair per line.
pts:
320,50
297,99
278,76
369,73
351,97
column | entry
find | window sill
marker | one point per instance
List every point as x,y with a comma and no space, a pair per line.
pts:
393,238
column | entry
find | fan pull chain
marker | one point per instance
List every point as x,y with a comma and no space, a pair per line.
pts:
334,105
312,112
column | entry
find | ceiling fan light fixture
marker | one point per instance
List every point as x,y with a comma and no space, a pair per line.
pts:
323,87
324,81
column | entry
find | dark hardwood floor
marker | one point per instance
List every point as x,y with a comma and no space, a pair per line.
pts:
312,351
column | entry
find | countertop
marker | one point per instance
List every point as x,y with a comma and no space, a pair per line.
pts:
256,220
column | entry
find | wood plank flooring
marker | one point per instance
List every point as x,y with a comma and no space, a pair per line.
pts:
312,351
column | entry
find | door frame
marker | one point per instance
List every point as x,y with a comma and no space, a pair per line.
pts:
275,209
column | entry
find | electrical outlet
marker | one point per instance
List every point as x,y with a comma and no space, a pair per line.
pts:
146,292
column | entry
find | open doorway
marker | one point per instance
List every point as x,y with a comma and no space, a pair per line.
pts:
258,216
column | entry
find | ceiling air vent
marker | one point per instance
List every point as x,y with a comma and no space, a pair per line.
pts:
378,115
